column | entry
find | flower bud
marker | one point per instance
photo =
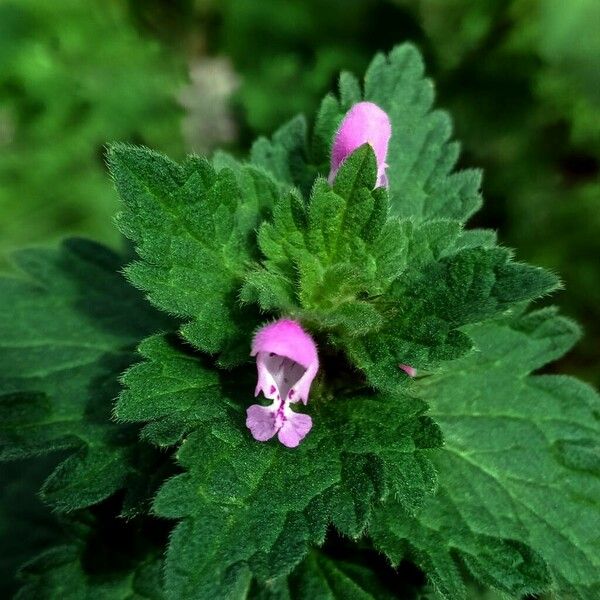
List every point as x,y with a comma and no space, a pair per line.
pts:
364,123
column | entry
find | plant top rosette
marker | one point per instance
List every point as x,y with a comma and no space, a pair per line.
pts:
316,362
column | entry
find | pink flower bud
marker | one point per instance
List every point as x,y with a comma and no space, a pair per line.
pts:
287,362
364,123
410,371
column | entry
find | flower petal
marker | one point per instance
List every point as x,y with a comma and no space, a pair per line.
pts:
262,421
294,428
267,383
300,390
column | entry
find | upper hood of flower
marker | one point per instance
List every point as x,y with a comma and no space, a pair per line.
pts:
286,338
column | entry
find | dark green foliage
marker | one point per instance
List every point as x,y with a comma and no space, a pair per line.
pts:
59,573
68,327
431,304
171,389
424,188
26,526
320,577
193,229
519,467
298,55
255,508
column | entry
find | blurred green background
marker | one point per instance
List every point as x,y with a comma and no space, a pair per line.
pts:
521,79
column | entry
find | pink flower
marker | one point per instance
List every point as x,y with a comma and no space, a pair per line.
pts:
410,371
364,123
287,363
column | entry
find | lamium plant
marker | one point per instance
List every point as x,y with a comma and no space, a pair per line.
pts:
312,380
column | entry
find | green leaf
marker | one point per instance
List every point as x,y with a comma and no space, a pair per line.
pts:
324,260
422,182
60,573
171,389
421,157
193,228
250,508
320,577
519,474
285,156
68,326
437,295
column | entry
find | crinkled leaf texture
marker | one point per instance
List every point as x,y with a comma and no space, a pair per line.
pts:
326,258
422,181
519,477
386,290
249,508
69,325
193,228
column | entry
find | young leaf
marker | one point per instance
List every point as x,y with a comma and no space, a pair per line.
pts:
68,327
421,157
193,228
518,477
254,508
322,259
285,156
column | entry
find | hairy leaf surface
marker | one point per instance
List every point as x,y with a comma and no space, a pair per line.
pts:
519,475
251,508
193,228
422,181
326,259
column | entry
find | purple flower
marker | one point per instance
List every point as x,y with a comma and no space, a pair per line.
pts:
287,363
364,123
